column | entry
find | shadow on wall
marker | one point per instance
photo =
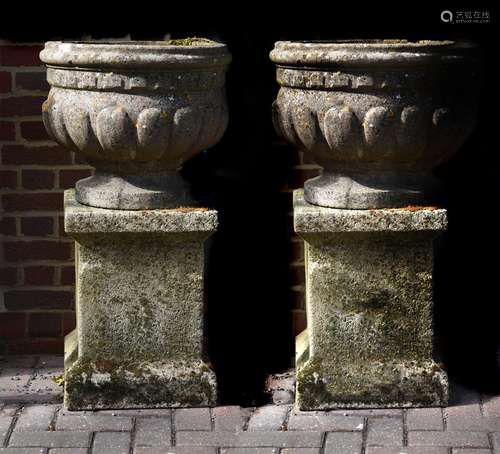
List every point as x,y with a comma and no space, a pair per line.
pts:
249,315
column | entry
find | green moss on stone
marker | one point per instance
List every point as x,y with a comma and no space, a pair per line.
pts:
192,41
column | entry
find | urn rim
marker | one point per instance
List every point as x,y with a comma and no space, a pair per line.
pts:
368,52
135,54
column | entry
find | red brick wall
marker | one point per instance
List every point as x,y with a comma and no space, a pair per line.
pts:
301,171
36,258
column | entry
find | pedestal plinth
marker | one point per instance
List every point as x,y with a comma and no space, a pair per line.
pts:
139,303
368,341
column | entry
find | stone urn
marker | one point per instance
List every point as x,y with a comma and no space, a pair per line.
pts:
377,115
137,111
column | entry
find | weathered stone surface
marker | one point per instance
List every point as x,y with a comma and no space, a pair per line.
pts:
82,219
138,111
139,292
369,298
378,115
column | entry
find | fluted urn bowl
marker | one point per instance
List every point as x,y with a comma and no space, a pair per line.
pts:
137,111
378,116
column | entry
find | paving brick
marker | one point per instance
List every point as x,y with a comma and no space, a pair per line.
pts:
22,450
13,380
301,451
159,412
153,432
325,422
111,443
470,451
5,423
192,419
230,418
495,438
463,402
43,381
385,432
449,438
392,412
249,451
93,423
343,443
36,417
407,450
491,405
68,451
177,450
424,419
473,423
270,417
62,439
252,439
10,409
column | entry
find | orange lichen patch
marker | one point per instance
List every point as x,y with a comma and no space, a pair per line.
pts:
188,209
181,209
415,208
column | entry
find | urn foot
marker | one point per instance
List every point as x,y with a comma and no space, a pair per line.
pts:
391,190
134,192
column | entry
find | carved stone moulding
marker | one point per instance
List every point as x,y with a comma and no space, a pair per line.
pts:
377,115
137,111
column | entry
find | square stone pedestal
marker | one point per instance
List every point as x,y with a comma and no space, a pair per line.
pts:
139,304
368,341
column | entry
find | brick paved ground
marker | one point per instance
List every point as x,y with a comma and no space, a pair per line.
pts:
32,420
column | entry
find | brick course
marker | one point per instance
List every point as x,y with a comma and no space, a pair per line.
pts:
36,266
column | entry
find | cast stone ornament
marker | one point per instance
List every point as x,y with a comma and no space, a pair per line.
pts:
377,115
